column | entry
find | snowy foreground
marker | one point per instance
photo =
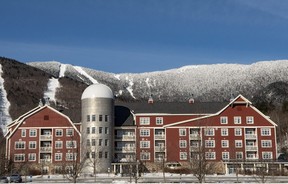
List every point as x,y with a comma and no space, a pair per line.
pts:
158,178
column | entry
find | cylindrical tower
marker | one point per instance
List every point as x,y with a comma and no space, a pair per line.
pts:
97,126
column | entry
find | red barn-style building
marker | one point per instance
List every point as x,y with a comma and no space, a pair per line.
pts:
234,135
44,139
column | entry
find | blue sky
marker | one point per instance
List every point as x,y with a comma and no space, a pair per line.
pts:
144,35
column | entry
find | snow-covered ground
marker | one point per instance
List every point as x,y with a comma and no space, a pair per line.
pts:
5,117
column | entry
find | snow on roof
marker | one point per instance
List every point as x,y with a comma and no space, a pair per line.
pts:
97,91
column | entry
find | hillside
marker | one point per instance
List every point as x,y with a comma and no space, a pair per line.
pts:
23,85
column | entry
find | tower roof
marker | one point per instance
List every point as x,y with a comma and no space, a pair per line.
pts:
97,91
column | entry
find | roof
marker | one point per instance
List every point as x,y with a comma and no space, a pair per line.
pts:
123,116
173,107
97,91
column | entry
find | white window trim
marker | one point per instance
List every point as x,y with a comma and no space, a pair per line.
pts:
210,153
159,120
262,132
247,120
224,118
225,153
30,142
208,145
227,141
224,130
144,120
31,130
19,155
60,130
236,118
61,157
143,132
238,141
144,143
263,146
32,154
182,143
183,155
58,147
182,130
267,152
235,130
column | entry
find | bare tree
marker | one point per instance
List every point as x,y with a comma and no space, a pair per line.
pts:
74,160
199,162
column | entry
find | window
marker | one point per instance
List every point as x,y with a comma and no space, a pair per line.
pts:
266,143
238,143
239,155
58,144
106,118
46,117
23,133
210,155
249,119
209,143
58,156
32,144
106,154
106,143
71,156
209,132
100,142
237,120
93,117
32,133
59,133
225,143
106,130
182,132
225,155
88,142
100,117
265,131
267,155
71,144
159,120
144,132
100,130
20,145
144,156
88,118
93,142
144,120
19,157
93,155
93,130
183,155
224,131
69,132
88,130
224,120
144,144
182,143
100,154
238,131
32,156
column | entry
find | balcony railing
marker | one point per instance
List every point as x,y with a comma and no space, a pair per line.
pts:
45,160
125,149
250,136
251,148
159,148
45,137
45,149
194,148
195,136
125,137
159,136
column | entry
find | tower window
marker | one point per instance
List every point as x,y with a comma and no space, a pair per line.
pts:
100,117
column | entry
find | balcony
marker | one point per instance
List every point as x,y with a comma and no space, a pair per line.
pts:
251,148
194,148
159,136
159,149
45,137
46,149
126,137
250,136
45,160
125,149
195,136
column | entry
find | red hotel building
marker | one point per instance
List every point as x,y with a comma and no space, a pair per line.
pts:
147,133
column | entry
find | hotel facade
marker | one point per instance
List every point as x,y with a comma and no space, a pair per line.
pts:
118,134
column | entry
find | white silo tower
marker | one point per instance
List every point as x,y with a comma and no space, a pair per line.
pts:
97,126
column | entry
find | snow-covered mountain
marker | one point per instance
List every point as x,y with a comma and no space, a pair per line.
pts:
23,85
206,82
